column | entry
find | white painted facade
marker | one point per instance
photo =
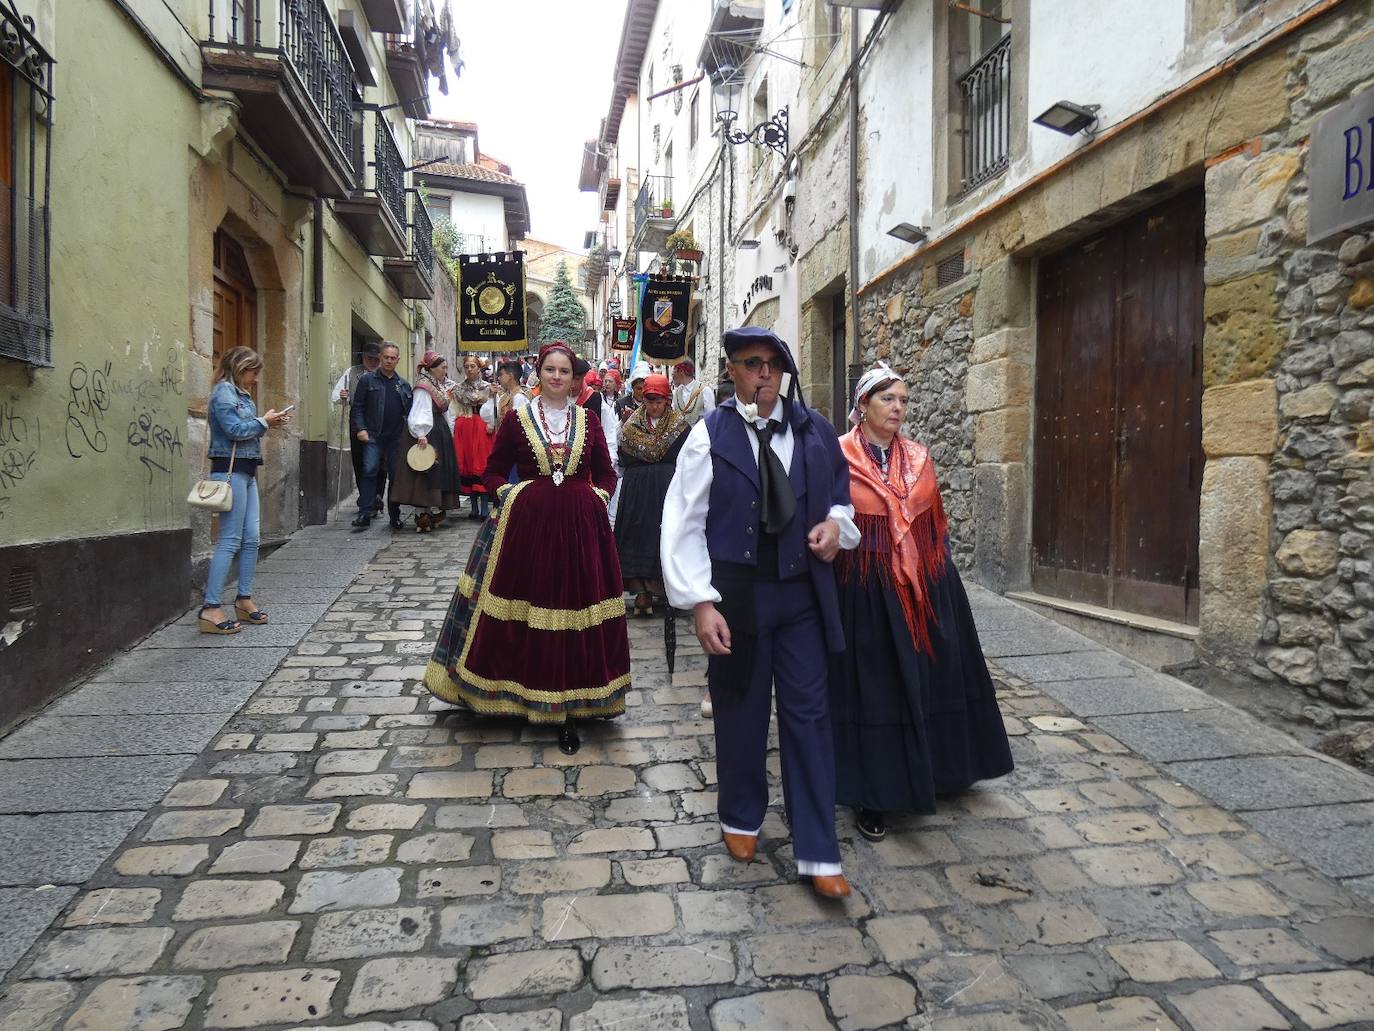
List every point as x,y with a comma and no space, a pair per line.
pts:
1121,56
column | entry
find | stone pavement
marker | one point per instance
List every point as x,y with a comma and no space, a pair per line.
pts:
344,852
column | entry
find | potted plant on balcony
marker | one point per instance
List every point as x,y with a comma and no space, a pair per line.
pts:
683,246
665,207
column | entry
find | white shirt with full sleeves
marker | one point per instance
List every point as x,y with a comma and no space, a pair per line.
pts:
682,544
421,417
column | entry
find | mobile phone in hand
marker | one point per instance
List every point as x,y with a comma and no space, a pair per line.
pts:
287,410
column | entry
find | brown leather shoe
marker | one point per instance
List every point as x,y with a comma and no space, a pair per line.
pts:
741,846
831,886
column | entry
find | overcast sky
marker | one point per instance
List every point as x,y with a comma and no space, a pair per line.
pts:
537,81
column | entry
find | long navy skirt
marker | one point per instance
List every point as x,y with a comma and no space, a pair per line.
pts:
909,726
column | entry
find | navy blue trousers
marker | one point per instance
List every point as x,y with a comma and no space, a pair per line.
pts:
791,657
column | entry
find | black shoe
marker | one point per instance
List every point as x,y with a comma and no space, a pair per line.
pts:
871,825
361,522
568,740
397,523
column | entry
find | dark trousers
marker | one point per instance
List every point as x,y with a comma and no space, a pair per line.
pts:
791,658
356,448
379,461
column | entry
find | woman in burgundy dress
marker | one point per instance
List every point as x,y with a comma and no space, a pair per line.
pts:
537,628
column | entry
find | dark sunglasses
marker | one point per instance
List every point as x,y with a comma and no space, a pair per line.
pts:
756,364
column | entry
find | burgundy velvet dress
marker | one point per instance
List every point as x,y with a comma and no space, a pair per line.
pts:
536,628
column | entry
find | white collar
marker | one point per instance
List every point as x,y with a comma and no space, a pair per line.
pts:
774,416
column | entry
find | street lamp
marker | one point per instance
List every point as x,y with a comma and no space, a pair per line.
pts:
726,84
909,233
1070,118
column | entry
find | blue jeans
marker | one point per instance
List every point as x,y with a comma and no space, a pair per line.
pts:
376,453
238,535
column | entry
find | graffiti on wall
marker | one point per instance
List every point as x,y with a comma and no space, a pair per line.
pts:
19,442
88,401
155,444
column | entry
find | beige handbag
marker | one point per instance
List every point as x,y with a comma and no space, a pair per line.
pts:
215,495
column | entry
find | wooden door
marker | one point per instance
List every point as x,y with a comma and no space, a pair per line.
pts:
1118,427
236,299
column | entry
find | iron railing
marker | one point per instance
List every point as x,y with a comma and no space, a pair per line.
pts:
655,199
389,170
422,236
304,33
25,225
986,90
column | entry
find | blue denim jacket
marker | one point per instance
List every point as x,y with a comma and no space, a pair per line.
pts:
234,418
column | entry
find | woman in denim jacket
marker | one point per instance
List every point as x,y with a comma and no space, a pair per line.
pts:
235,428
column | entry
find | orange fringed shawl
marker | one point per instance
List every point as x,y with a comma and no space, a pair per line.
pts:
906,505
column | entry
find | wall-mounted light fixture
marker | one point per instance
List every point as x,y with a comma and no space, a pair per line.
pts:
613,257
726,83
1070,118
747,245
909,233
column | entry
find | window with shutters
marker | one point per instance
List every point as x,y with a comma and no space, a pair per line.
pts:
26,122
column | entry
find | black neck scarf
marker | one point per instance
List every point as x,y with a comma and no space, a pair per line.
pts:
775,490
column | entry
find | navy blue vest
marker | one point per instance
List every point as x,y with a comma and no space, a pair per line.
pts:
733,532
819,476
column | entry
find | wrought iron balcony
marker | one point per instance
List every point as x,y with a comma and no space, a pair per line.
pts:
408,76
376,210
986,115
413,276
654,219
285,62
422,237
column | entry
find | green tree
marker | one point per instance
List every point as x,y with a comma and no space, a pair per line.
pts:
564,316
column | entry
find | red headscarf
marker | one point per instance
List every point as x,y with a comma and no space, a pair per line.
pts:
657,386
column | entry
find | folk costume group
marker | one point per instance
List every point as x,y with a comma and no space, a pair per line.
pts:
817,570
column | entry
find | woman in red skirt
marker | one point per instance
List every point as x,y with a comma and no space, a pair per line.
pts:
536,628
471,442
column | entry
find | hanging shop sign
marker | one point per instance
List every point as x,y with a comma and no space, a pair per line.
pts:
491,302
623,335
1342,163
663,316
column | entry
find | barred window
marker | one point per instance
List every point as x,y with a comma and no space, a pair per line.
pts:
26,111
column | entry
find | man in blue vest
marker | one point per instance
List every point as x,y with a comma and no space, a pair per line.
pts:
756,512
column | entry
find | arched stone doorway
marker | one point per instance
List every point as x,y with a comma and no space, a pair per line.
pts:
534,316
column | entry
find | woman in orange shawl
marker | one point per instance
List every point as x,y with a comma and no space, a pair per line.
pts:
911,700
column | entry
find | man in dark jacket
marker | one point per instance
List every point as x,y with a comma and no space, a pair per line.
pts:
756,512
379,408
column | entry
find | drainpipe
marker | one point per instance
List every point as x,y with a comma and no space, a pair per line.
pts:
317,255
839,408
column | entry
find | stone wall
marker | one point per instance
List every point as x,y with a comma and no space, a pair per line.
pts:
1289,378
926,335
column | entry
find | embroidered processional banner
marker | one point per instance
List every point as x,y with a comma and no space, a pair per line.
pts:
491,302
623,335
663,314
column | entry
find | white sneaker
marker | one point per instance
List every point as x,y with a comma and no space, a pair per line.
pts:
706,707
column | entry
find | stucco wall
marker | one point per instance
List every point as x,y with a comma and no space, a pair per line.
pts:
98,444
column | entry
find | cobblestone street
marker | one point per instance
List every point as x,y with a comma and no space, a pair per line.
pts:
344,852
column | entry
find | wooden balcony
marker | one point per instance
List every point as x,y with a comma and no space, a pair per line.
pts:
413,276
375,212
409,78
291,75
385,15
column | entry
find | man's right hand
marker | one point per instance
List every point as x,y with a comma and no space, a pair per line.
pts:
343,394
711,629
362,436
